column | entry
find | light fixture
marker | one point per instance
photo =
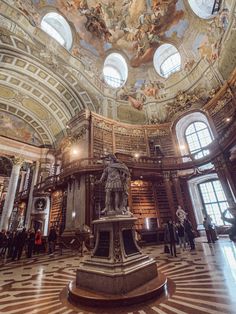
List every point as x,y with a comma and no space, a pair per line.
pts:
182,147
73,214
136,155
228,119
74,151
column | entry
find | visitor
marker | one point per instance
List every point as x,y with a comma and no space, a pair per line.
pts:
52,238
20,241
170,237
3,243
31,243
207,223
38,241
190,233
181,235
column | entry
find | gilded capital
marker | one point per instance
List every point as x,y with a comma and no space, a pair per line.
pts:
17,160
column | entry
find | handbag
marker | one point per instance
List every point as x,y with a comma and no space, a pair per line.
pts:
166,249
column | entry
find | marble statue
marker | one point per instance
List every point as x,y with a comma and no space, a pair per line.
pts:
232,221
181,214
116,175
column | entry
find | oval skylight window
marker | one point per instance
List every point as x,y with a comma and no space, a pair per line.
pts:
57,27
204,8
167,60
115,70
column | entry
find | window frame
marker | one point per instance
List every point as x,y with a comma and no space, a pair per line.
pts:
171,70
217,202
118,62
197,10
68,42
196,132
161,55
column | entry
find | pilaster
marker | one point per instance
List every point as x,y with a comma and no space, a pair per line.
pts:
11,193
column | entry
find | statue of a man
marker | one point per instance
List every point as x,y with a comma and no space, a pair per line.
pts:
116,175
181,214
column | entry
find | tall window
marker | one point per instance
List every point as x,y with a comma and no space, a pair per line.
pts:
214,200
198,136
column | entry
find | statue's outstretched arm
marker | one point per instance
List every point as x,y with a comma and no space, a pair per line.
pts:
229,220
104,176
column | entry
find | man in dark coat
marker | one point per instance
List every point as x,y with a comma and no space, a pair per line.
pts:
19,244
52,238
170,237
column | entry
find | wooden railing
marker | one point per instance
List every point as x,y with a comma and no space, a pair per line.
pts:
50,182
145,163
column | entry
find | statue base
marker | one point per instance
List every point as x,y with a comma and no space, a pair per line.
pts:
117,267
152,289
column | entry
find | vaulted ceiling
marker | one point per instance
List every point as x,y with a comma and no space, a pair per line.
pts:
43,85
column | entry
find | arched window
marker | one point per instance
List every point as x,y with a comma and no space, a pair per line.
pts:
204,8
181,129
57,27
115,70
166,60
214,200
198,136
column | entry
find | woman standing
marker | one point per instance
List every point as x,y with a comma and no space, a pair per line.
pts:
38,241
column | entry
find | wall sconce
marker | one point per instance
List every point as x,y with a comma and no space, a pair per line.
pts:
74,151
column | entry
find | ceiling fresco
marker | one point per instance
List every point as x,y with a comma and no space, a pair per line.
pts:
136,29
13,127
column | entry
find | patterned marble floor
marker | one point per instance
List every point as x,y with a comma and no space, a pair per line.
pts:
198,282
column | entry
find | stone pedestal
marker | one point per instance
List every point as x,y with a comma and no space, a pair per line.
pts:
117,265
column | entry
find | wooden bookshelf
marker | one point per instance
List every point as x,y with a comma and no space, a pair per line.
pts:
58,209
143,202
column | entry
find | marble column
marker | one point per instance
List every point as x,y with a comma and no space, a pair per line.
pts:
76,203
219,164
80,202
10,197
22,181
1,190
27,177
31,190
168,188
178,190
70,213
